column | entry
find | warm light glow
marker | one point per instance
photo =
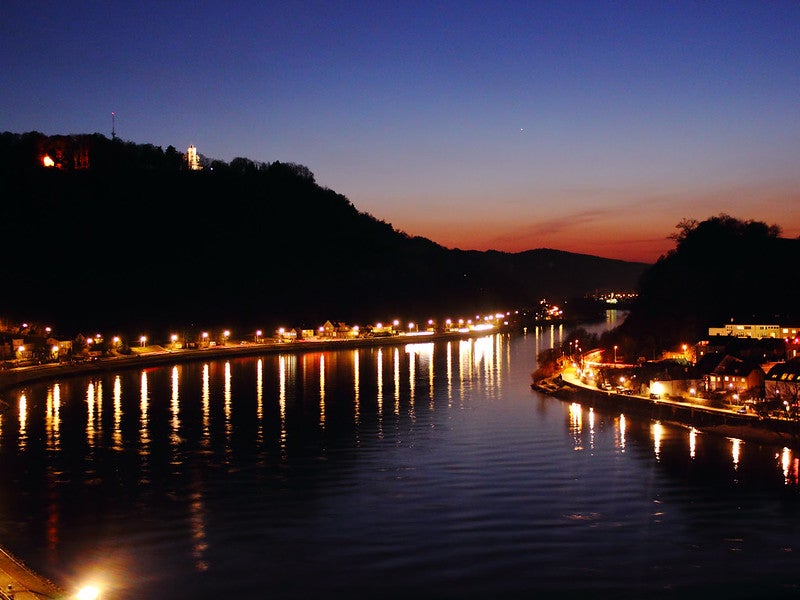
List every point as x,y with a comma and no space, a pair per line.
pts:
47,161
89,592
657,388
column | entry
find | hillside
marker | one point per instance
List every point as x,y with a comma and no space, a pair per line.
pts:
722,270
124,235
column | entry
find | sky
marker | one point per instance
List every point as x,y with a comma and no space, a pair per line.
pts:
592,127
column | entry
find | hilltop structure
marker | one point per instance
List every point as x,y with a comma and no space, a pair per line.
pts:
64,152
192,159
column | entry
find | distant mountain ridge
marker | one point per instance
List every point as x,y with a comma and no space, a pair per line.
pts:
128,236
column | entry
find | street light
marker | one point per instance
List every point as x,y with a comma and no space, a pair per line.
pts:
88,592
615,355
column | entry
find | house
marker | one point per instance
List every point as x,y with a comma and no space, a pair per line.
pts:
748,331
737,376
670,377
336,330
782,381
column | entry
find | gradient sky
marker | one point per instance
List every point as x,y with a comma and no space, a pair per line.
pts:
592,127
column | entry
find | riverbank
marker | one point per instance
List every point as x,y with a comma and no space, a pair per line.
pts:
721,421
149,356
20,583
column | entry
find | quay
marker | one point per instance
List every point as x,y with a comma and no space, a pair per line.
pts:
749,426
150,356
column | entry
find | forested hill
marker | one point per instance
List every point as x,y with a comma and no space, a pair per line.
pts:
722,270
120,235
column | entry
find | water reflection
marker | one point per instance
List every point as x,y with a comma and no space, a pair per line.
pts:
261,453
356,380
322,391
90,409
787,460
206,404
790,465
260,399
23,421
53,417
172,415
396,381
356,389
576,425
175,406
658,432
117,436
227,399
736,447
379,391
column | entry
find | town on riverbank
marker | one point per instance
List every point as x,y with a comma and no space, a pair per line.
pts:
743,381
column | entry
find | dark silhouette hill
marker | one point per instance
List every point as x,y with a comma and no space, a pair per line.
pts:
721,270
121,235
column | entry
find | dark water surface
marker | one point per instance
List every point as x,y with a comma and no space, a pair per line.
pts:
430,470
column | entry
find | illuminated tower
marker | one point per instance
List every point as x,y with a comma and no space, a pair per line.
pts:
191,158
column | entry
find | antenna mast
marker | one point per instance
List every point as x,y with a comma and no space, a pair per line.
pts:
113,127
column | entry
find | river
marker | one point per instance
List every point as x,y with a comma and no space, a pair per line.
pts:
429,470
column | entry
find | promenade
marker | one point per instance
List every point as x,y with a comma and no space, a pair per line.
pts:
154,355
720,420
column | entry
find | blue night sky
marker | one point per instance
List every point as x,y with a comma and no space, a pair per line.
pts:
591,127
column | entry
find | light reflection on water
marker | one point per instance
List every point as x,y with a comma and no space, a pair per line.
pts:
430,465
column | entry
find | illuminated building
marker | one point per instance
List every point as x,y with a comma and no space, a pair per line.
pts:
192,159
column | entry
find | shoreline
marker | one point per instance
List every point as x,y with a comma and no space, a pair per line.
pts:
158,355
721,421
19,582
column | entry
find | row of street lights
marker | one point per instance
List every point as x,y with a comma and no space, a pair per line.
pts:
413,327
